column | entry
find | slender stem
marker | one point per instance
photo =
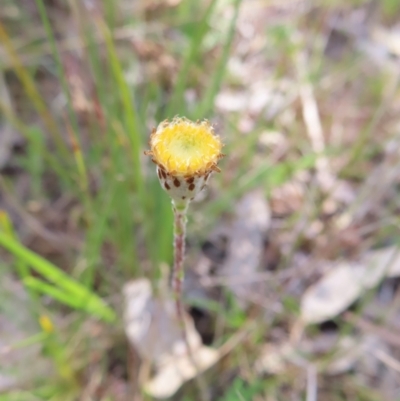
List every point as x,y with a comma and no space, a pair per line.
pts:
178,275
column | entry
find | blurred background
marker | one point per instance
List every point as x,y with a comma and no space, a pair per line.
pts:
292,268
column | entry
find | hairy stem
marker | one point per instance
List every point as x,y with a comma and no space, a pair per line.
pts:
179,254
178,275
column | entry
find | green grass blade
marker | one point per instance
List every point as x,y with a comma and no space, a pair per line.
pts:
7,228
60,70
88,303
207,103
54,274
33,93
128,105
176,103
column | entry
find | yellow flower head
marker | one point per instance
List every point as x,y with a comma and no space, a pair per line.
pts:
186,153
185,148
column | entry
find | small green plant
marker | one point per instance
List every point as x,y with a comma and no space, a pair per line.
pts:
186,154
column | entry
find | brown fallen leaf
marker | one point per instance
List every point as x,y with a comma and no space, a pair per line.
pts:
245,246
346,282
153,328
349,351
172,375
339,356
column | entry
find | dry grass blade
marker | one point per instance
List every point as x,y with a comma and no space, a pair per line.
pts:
313,124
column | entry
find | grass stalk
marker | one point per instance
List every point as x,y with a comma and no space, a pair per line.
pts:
207,102
33,93
128,107
176,103
57,58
